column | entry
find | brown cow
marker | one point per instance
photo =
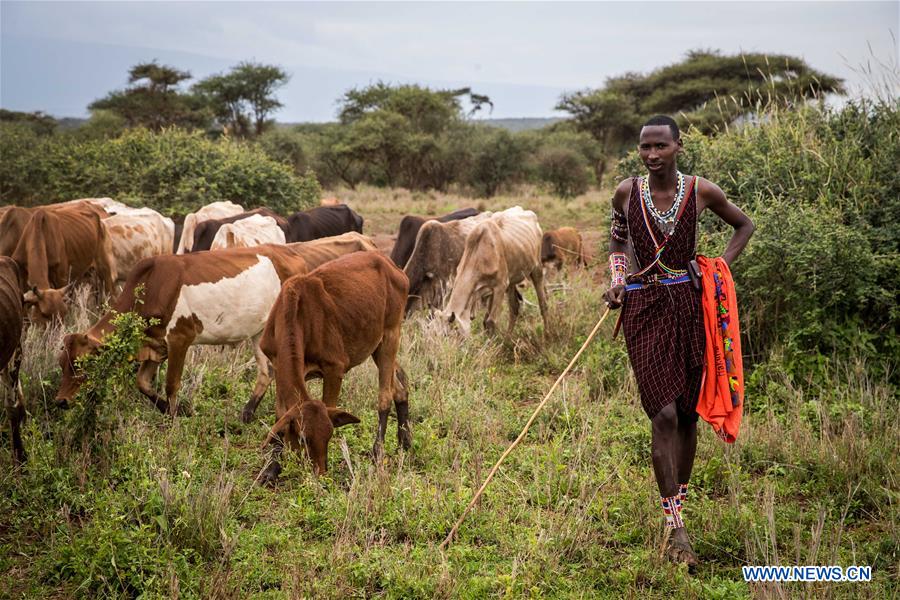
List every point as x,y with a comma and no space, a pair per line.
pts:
314,253
322,325
220,297
12,313
409,229
58,247
431,267
562,247
13,220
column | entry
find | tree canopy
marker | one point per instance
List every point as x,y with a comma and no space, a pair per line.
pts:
153,99
707,90
244,98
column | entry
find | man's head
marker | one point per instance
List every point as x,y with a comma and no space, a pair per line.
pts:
660,143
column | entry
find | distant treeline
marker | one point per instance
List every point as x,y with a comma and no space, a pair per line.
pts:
418,138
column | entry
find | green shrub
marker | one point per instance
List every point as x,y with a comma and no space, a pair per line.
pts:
563,170
171,171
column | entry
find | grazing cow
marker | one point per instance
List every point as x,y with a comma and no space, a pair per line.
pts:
216,210
251,231
206,232
409,229
214,298
432,265
500,252
561,247
58,247
315,253
137,234
322,325
322,221
13,220
12,313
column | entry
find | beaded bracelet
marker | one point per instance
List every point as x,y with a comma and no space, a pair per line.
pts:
618,268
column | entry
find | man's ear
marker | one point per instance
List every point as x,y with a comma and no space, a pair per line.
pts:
339,417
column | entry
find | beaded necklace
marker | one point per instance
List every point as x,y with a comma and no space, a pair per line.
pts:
665,220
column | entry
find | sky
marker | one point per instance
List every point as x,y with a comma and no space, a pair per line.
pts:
57,57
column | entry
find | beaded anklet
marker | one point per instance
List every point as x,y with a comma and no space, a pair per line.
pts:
672,510
682,491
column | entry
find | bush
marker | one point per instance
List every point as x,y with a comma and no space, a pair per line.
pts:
171,171
563,170
496,160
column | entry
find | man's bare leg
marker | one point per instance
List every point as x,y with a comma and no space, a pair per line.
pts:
669,456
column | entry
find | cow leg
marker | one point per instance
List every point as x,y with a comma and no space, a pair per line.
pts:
178,347
15,405
146,378
512,296
385,357
332,378
401,404
537,279
265,371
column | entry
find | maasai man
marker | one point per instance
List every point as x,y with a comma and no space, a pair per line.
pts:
662,318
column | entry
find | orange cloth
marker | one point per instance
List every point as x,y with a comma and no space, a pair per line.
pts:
721,401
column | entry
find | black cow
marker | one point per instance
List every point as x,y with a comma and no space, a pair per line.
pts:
409,229
12,314
206,231
322,221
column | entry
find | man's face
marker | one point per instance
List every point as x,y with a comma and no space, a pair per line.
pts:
657,148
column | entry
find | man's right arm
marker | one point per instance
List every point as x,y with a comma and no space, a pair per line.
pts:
618,248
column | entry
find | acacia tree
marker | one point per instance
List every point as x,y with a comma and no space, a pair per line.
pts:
707,90
153,99
244,98
406,134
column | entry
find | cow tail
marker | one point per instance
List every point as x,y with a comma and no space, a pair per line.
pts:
290,362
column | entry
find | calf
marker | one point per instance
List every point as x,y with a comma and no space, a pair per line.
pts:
322,221
212,298
500,252
432,265
314,253
561,247
252,231
322,325
409,230
12,314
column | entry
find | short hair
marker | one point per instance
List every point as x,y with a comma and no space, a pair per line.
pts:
665,120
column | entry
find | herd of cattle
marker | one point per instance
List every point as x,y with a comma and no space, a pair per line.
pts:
314,294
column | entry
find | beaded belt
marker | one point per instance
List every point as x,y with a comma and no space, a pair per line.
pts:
657,281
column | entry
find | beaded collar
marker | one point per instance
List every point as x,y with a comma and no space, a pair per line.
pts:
666,220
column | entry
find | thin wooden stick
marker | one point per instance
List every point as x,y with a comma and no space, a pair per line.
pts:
534,415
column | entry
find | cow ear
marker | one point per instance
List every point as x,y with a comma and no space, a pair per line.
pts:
339,417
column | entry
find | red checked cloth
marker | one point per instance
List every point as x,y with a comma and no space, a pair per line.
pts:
721,401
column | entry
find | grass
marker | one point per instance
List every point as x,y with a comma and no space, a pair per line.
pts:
169,508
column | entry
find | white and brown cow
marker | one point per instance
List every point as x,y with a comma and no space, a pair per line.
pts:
203,298
500,252
216,210
252,231
137,234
